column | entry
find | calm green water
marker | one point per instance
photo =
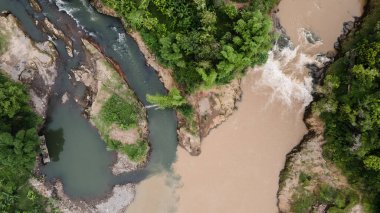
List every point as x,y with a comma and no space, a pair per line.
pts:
80,159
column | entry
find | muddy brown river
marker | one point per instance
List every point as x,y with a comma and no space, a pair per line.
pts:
238,170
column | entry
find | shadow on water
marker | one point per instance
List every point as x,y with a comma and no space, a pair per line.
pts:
80,158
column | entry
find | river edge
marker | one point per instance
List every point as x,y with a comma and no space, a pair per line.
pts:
307,157
212,106
40,91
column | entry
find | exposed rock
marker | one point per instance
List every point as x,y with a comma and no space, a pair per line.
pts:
65,97
103,9
220,101
123,164
331,54
28,62
307,158
117,201
215,105
311,37
49,27
348,26
102,80
316,72
189,141
35,5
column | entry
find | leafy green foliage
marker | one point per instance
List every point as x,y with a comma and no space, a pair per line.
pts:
337,200
136,152
122,110
350,107
3,43
303,204
205,42
119,111
172,100
18,149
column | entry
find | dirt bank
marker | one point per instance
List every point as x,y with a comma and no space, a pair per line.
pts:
33,64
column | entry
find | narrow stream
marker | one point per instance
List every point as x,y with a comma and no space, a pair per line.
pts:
80,158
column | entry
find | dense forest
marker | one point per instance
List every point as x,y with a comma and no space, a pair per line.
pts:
205,42
350,107
18,149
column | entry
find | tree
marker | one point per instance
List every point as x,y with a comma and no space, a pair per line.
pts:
372,162
12,98
172,100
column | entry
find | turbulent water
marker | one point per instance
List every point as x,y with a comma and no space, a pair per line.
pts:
239,168
80,158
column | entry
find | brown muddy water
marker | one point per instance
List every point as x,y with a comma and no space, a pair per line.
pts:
238,170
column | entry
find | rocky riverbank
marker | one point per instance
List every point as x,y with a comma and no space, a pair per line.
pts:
307,173
117,201
102,81
33,64
212,106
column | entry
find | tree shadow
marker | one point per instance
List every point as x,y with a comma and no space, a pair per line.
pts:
54,142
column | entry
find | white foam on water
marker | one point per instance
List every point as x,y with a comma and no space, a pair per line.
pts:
285,87
62,6
151,106
121,44
286,75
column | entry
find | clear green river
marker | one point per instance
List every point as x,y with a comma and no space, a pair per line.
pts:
79,156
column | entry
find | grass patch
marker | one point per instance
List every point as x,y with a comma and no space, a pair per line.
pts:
303,203
337,200
3,43
123,110
137,152
117,110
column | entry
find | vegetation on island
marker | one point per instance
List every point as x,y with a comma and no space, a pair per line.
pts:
349,104
205,42
19,146
121,110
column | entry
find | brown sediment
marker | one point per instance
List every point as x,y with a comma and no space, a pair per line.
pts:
218,112
324,18
307,157
235,172
250,147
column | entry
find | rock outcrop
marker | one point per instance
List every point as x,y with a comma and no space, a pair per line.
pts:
212,107
33,64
